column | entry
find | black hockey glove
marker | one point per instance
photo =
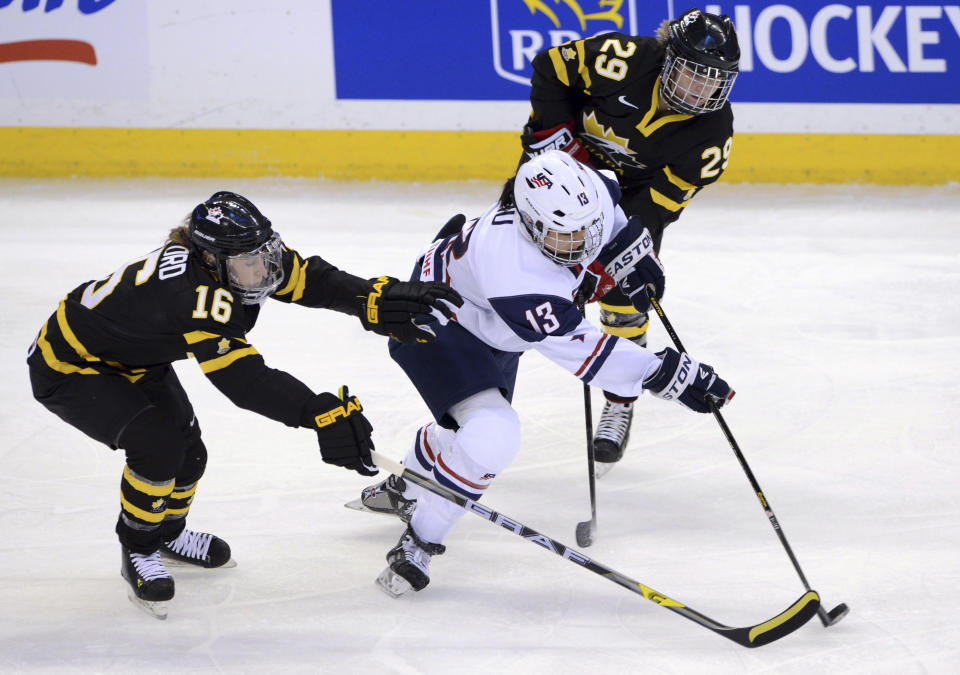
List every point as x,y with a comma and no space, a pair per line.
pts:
644,278
342,431
536,140
392,306
685,380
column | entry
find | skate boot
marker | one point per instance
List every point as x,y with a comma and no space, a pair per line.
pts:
197,548
151,586
387,498
409,565
612,435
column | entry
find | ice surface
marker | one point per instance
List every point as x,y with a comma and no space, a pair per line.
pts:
833,311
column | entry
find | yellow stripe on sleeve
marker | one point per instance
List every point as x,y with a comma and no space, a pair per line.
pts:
559,66
584,71
294,276
196,336
222,362
662,200
677,180
70,336
301,282
46,349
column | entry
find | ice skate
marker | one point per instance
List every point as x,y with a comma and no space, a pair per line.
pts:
612,435
197,548
409,565
151,586
386,498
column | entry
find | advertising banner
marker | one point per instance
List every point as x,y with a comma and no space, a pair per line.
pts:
870,51
76,49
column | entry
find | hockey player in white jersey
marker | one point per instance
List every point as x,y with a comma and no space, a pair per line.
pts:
518,267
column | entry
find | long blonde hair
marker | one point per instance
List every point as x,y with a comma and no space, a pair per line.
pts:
178,235
663,32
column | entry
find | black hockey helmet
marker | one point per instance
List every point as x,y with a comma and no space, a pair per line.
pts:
237,243
702,62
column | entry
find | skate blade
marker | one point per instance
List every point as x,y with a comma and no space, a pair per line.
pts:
601,469
173,561
358,505
393,584
155,608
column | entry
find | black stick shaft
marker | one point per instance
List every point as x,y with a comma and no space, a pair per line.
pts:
821,612
775,628
591,466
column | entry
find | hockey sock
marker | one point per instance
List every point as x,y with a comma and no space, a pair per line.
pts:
143,506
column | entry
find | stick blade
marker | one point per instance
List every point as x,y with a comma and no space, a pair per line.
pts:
603,468
782,624
836,614
585,531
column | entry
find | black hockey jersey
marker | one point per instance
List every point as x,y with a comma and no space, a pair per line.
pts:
165,306
608,87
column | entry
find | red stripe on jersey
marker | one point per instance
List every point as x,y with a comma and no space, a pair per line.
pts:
590,358
446,469
426,446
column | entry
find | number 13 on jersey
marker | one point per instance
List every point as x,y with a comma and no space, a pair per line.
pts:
542,318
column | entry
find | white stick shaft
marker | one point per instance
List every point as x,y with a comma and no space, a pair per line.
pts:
385,462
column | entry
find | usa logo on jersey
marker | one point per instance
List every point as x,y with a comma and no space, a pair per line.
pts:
521,28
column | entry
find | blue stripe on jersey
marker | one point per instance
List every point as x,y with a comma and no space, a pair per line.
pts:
456,487
600,359
453,245
422,456
534,317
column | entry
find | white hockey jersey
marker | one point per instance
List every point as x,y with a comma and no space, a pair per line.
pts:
515,298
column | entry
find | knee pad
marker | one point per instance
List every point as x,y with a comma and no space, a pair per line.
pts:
185,485
467,461
154,445
486,443
194,457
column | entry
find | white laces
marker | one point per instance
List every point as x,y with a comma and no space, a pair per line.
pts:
415,555
149,567
192,544
614,421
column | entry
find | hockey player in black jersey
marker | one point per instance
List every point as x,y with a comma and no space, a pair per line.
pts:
101,362
655,111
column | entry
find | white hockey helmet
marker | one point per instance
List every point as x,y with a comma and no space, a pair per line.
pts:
560,207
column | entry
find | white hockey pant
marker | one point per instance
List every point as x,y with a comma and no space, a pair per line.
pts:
466,461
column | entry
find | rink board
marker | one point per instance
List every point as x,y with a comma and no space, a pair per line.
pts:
439,155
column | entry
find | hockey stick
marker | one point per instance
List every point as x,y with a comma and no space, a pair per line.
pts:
827,618
588,528
782,624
